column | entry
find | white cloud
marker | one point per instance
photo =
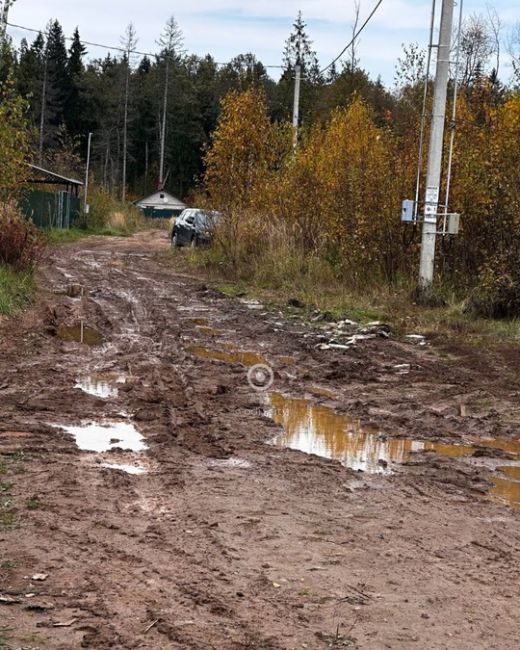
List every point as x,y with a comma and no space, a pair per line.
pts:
225,28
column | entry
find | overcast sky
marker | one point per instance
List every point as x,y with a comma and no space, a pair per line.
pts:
225,28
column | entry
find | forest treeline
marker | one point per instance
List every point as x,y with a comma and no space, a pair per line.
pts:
71,94
330,209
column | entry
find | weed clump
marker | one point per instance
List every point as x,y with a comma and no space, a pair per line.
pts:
21,242
497,294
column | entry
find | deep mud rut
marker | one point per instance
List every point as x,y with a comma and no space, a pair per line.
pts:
227,542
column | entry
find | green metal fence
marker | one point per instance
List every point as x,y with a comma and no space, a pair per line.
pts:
50,209
160,213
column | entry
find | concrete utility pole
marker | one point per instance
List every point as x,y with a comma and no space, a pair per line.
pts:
85,197
433,174
130,44
296,103
297,84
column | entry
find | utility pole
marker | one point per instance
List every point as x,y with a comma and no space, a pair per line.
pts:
85,197
163,127
296,103
130,44
433,174
44,100
297,88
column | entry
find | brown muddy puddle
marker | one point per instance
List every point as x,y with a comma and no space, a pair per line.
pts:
208,331
231,355
316,429
105,386
80,333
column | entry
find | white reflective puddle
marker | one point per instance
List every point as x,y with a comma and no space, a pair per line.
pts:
104,386
128,469
106,436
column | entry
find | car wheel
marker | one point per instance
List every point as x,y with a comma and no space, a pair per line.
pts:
193,242
175,241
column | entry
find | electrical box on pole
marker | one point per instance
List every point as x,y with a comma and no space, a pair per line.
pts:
408,211
452,223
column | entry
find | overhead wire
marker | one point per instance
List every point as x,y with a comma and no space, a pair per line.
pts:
114,47
356,35
453,113
423,114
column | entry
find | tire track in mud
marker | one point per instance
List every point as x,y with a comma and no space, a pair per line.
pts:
227,542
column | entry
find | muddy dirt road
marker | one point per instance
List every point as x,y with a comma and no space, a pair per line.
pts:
149,497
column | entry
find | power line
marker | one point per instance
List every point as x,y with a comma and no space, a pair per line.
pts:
69,38
353,38
113,47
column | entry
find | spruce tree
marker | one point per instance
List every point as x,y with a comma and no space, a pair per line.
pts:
54,86
75,70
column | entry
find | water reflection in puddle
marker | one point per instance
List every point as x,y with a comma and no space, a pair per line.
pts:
103,437
128,469
80,334
104,386
507,488
228,356
316,429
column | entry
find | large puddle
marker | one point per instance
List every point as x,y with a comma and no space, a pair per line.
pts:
106,436
316,429
228,356
80,333
104,386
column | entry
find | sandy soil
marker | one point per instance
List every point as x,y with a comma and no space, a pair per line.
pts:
227,542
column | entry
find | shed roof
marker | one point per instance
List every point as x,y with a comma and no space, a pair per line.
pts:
52,178
160,200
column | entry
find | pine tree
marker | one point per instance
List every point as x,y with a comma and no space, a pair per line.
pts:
298,49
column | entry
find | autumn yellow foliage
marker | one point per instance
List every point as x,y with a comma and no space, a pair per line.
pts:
337,200
14,136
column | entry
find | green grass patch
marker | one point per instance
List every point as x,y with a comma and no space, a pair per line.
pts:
239,289
4,637
7,512
5,486
16,290
32,503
